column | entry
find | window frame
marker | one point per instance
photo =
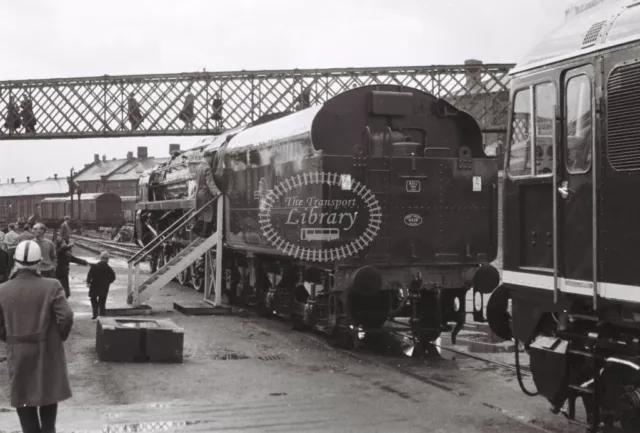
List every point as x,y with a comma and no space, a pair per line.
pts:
565,135
532,117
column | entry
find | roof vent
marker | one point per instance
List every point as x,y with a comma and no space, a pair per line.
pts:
592,34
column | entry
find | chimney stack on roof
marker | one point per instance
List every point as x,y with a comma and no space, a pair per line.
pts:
96,158
28,179
473,75
129,156
12,180
86,165
174,148
104,158
55,176
142,152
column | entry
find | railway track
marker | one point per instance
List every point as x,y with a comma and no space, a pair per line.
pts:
97,245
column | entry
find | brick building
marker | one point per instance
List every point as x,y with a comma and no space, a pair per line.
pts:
21,200
118,176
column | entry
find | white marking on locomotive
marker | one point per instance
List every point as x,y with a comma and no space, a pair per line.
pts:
477,183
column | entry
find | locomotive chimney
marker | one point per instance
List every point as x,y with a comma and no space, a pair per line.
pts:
129,156
473,76
142,152
96,158
174,148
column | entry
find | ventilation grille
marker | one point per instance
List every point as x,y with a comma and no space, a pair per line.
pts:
592,34
623,125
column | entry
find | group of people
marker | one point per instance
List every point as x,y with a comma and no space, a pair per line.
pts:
36,318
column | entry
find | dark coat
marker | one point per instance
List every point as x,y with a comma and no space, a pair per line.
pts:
99,278
206,191
35,320
65,258
4,266
65,231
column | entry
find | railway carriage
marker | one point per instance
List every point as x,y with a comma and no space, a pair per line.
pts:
92,210
383,201
571,216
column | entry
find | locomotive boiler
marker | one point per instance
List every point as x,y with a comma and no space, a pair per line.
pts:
571,218
379,205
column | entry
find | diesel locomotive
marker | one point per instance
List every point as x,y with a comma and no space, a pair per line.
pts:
571,218
378,206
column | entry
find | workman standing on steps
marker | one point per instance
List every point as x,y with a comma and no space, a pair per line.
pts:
35,320
206,191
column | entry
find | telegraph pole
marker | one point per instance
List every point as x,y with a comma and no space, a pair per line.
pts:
71,191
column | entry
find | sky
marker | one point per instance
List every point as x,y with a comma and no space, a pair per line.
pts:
70,38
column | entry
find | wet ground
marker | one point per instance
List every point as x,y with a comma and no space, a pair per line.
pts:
254,374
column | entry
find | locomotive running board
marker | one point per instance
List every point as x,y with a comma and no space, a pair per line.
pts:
171,269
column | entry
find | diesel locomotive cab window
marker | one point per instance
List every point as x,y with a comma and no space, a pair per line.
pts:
578,124
525,141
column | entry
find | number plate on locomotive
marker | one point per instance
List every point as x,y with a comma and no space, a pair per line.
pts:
413,186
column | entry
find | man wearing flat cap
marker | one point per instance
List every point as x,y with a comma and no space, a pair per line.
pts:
206,191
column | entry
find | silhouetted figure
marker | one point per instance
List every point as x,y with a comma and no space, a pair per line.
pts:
28,118
207,190
99,278
305,100
187,114
217,110
12,122
133,112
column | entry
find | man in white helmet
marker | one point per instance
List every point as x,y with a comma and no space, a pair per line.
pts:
35,320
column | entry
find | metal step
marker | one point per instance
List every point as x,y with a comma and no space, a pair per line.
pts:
177,264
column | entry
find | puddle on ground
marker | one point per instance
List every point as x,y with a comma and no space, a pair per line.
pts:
230,356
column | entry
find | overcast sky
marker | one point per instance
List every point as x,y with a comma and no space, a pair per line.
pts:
65,38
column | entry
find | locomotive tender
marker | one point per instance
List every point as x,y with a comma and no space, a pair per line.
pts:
377,205
571,217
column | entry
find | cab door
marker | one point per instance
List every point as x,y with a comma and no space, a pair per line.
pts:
574,227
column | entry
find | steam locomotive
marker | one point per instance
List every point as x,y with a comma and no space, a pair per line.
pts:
571,218
379,205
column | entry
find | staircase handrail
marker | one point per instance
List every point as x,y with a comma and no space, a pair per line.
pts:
168,232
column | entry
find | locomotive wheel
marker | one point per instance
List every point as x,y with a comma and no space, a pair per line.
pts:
197,277
498,315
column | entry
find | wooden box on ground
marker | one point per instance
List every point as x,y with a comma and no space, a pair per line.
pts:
138,340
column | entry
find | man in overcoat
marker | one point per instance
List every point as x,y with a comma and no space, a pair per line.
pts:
65,230
99,278
206,191
63,252
35,320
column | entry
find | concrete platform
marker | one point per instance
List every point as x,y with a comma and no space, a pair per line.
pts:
128,310
201,308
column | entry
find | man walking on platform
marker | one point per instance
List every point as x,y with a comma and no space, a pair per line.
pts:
35,320
99,279
206,191
48,251
63,252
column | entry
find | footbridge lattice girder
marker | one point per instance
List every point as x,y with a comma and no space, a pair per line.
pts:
205,103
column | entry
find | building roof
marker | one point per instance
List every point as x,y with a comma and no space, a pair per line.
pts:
34,188
117,169
131,170
599,26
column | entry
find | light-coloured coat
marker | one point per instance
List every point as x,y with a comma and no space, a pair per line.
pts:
35,320
206,191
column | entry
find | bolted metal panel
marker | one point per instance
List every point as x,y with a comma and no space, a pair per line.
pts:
208,103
